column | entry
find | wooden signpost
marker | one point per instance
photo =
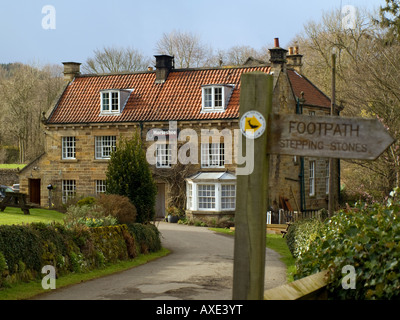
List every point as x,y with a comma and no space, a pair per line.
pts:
301,135
327,136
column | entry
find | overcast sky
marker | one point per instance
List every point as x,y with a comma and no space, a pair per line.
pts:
83,26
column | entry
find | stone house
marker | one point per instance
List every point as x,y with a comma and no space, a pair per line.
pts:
176,106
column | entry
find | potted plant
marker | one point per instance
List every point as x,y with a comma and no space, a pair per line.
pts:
173,214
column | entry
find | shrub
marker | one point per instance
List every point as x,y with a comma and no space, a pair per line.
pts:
87,201
89,215
128,174
117,206
365,237
301,234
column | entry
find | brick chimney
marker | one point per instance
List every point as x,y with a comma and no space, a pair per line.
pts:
278,56
164,64
294,59
71,70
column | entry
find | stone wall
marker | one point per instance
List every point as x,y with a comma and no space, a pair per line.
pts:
8,177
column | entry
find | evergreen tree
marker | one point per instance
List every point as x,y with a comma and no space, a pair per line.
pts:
128,174
390,19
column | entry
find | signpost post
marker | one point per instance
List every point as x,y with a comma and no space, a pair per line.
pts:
252,193
288,134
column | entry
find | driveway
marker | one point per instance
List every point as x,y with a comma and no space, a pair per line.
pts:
200,267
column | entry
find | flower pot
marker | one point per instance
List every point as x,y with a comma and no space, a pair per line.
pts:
173,219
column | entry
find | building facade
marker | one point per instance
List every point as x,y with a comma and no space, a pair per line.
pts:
188,120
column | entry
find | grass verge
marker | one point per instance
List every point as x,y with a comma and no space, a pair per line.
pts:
278,244
24,291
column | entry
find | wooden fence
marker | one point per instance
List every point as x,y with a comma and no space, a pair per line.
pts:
282,216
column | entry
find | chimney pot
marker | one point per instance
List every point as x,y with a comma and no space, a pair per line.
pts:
294,59
276,42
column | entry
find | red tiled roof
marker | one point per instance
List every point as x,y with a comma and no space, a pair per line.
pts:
178,98
312,95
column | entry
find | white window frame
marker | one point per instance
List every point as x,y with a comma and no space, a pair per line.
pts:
228,196
104,146
101,186
68,148
110,107
68,190
312,177
213,155
163,154
213,98
219,199
189,192
206,196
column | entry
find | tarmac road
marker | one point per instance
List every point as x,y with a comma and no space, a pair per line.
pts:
200,267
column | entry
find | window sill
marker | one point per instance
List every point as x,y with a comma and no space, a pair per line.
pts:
110,113
101,160
206,212
212,111
69,160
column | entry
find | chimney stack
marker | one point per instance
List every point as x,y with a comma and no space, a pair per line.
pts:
295,59
277,59
278,54
71,70
164,64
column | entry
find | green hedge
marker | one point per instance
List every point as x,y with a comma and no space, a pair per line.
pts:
301,234
25,249
365,238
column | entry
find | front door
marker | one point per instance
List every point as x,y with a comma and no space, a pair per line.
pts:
34,191
160,201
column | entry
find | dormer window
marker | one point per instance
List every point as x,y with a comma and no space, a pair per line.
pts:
110,101
215,97
113,101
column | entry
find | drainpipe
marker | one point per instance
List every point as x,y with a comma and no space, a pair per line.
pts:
299,110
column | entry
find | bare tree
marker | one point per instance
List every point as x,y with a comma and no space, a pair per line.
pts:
116,60
367,82
187,49
238,55
24,96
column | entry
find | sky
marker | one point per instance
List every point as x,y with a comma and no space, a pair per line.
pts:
71,30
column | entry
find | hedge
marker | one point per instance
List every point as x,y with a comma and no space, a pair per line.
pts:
301,234
365,238
25,249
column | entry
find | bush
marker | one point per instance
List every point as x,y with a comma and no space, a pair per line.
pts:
89,201
365,237
301,234
117,206
128,174
89,215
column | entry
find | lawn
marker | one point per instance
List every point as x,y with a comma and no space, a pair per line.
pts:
12,166
16,216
